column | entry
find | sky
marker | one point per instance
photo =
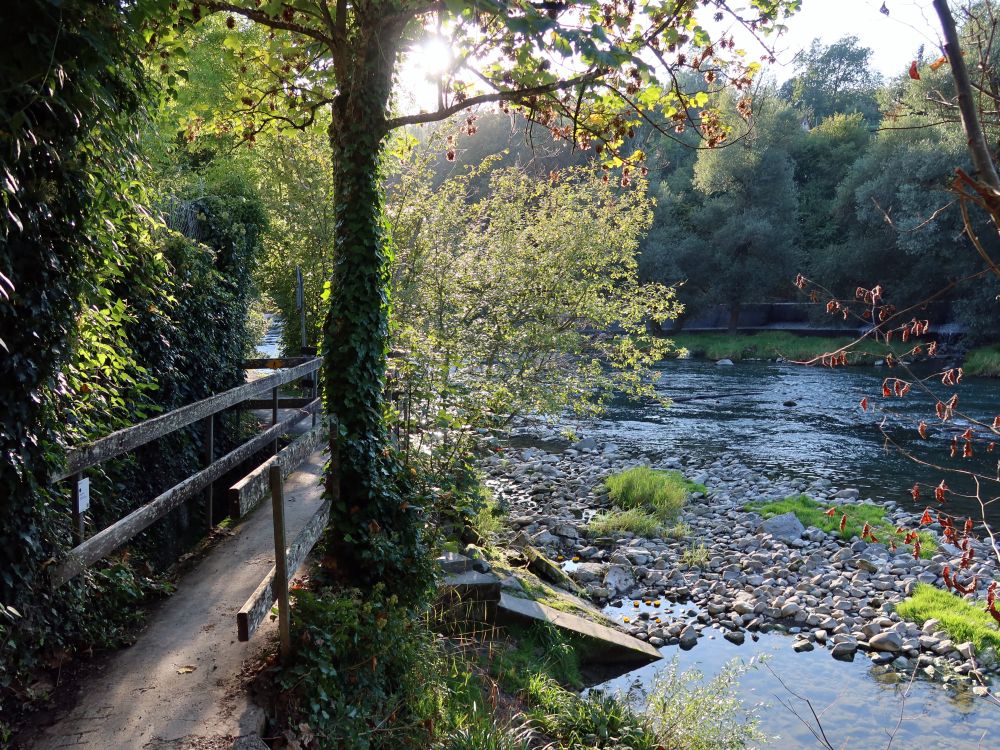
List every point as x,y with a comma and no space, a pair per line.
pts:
893,38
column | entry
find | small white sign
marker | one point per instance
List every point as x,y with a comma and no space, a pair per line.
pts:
83,493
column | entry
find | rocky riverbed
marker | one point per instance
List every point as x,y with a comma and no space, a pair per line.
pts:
757,576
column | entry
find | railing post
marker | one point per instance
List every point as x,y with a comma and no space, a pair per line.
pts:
274,414
280,560
208,456
315,392
76,509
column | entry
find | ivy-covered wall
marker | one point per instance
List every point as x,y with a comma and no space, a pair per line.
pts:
107,316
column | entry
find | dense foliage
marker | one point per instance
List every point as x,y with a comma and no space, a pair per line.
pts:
107,316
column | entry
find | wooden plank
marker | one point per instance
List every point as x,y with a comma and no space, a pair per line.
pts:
247,493
130,438
105,542
280,560
252,614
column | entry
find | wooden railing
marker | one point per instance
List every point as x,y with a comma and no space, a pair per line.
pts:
90,550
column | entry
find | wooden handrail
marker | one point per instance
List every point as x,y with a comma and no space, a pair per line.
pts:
129,438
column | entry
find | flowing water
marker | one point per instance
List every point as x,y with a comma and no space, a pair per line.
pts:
825,434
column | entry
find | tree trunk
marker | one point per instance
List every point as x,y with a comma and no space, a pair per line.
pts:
372,536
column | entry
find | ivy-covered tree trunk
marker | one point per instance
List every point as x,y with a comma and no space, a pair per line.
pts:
372,536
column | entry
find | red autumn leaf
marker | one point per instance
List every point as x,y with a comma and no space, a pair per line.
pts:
922,430
926,517
967,450
831,512
915,492
864,404
914,73
916,549
954,446
938,63
886,392
843,522
866,530
968,526
939,491
932,349
967,435
996,422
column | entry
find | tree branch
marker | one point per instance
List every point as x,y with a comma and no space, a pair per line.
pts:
970,121
497,96
215,6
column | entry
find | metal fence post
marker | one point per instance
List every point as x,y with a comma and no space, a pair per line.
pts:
280,560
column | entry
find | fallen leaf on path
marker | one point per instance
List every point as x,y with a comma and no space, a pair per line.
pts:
186,669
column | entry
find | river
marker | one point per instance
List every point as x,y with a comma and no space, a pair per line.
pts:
824,434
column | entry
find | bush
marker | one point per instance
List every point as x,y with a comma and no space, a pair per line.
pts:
359,671
962,620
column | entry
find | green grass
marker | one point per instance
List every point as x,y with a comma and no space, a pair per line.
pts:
696,555
660,492
646,502
811,513
963,621
983,361
636,521
737,346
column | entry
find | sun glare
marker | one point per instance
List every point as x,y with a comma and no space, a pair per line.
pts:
432,56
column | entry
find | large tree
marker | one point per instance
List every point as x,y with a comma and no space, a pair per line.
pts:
589,71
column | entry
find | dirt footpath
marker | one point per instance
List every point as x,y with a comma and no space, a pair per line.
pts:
179,687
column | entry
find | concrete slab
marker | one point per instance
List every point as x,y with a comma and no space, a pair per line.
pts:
180,685
603,645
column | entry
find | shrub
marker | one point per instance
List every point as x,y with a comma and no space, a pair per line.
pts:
962,620
688,713
359,671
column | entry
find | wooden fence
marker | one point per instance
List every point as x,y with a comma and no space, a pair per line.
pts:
90,550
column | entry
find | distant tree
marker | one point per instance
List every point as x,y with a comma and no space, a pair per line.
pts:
834,79
728,237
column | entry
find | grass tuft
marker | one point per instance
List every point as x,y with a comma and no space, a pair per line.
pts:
646,501
636,521
983,361
811,513
962,620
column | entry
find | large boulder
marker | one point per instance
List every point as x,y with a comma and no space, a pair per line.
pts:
786,527
619,579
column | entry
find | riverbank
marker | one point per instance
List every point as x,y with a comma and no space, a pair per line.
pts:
774,346
778,346
749,575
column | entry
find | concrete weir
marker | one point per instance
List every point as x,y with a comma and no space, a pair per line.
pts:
599,645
